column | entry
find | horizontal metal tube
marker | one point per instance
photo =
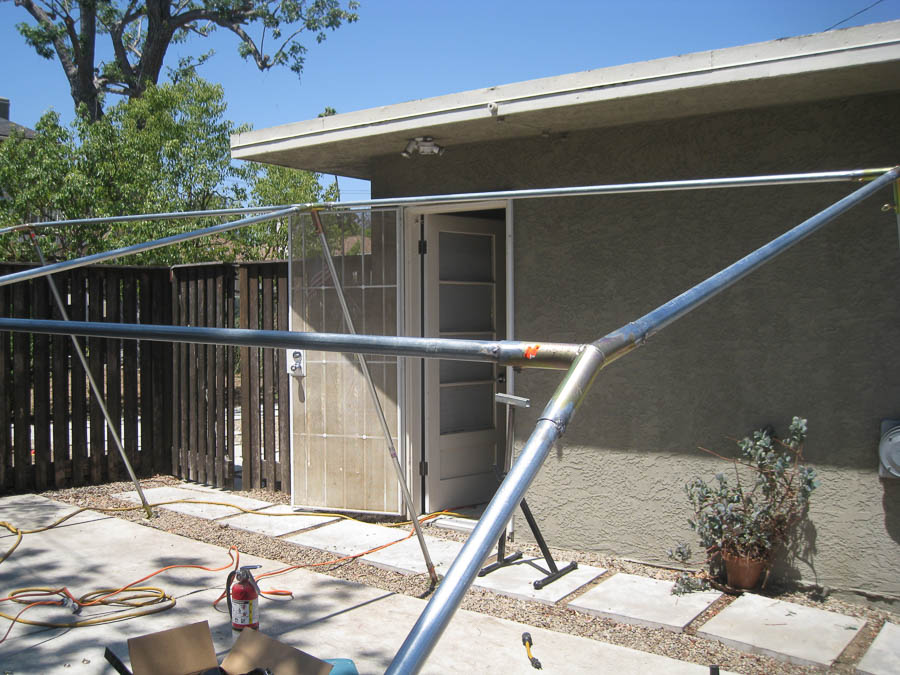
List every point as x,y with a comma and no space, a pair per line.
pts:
580,191
623,188
504,352
171,215
140,248
558,414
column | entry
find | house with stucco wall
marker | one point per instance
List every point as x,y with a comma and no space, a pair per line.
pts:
813,334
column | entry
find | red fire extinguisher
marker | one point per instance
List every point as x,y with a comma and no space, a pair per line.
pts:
243,598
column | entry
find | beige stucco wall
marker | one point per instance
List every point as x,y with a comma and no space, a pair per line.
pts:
813,334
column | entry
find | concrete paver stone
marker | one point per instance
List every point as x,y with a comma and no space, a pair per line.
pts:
644,602
30,512
347,537
276,526
517,580
794,633
883,656
406,556
208,511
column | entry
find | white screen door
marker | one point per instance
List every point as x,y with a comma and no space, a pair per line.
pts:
464,297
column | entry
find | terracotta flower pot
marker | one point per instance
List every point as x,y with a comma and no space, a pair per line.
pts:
742,572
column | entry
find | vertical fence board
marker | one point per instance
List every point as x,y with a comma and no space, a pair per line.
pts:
160,355
114,464
209,378
221,383
130,374
246,417
193,450
6,447
185,403
198,421
62,462
230,378
146,378
41,374
284,386
77,394
175,300
96,352
254,365
22,388
268,379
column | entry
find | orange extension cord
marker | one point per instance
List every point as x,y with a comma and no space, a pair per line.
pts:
144,599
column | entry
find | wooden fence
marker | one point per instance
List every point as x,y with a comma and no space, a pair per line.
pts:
52,430
190,419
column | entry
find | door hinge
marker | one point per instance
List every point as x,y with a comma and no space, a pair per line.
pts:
423,247
423,468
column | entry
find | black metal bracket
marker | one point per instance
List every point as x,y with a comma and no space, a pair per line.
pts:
503,560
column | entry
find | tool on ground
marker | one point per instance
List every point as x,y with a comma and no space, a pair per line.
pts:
243,598
554,573
528,642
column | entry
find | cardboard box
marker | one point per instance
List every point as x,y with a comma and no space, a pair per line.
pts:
189,650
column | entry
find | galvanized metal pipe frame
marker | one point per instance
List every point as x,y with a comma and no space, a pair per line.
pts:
145,246
559,412
392,451
556,416
580,191
552,355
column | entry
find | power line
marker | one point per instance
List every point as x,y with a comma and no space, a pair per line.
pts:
866,9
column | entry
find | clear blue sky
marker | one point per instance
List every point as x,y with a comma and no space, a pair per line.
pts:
402,50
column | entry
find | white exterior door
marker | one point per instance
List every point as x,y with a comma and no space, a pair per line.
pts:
464,297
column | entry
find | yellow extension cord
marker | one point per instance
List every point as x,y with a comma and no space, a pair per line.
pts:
145,599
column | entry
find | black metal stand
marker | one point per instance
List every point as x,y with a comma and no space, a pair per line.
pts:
503,560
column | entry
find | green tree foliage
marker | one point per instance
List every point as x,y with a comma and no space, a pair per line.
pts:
166,151
141,31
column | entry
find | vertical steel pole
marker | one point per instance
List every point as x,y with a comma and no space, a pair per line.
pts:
407,498
94,388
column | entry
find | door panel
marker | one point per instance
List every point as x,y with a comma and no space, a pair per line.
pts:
464,297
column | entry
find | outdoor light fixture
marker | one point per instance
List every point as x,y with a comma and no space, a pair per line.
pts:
424,145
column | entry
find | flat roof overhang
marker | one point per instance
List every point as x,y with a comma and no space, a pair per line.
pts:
835,64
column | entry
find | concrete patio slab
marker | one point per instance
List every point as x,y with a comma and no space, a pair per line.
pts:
328,617
348,537
517,580
406,557
783,630
644,602
30,512
288,519
208,511
883,655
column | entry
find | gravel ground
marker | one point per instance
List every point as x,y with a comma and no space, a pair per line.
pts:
686,646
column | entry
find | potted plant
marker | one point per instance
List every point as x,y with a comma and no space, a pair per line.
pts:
743,520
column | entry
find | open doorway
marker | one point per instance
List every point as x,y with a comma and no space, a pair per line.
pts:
460,261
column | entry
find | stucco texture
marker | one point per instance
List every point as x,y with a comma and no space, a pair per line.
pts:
814,333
